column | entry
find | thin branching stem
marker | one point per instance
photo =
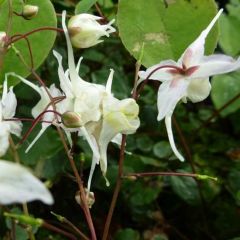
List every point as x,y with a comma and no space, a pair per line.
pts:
116,190
16,37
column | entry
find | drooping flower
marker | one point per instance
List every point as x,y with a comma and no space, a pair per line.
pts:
118,117
188,78
103,116
18,185
85,30
8,105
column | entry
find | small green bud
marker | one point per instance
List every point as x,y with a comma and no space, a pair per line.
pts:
59,217
25,219
206,177
71,120
29,11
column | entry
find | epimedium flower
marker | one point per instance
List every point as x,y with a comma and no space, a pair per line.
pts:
187,79
118,117
43,105
8,104
19,185
85,30
101,116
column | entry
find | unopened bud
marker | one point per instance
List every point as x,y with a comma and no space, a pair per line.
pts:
86,32
25,219
71,120
3,38
29,11
89,197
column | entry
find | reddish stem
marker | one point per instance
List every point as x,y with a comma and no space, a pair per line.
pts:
35,122
151,174
58,230
136,93
116,190
15,39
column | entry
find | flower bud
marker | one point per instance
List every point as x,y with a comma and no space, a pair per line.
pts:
89,197
71,120
29,11
3,37
86,32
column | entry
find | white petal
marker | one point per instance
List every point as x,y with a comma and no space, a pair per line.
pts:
4,142
198,89
64,80
18,185
71,63
216,64
168,122
35,87
5,88
195,51
109,82
43,129
9,104
78,64
95,160
162,74
15,127
169,94
91,142
117,139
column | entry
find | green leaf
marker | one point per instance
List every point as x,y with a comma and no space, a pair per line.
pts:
41,42
84,5
234,185
162,149
141,194
1,1
165,27
224,88
144,143
186,188
127,233
230,37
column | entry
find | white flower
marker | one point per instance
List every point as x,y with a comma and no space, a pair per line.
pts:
103,116
8,105
42,105
95,113
86,32
188,78
18,185
118,117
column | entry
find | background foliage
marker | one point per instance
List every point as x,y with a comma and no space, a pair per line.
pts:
151,208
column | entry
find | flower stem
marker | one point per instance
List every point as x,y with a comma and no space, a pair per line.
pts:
151,174
72,163
17,37
24,205
116,190
80,185
58,230
136,93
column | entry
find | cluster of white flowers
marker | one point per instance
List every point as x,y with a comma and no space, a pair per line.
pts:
89,109
92,111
